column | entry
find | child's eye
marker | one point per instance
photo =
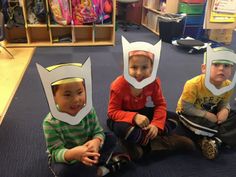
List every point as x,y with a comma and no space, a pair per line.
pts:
79,92
216,64
133,67
67,95
144,67
227,65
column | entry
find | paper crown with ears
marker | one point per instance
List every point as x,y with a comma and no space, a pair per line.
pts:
212,57
66,71
140,46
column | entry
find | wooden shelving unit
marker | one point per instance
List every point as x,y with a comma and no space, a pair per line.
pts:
151,10
47,35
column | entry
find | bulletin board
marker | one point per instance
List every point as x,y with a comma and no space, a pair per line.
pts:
227,6
211,9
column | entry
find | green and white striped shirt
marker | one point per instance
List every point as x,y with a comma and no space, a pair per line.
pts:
61,136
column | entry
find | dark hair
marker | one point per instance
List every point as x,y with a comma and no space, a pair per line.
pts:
54,89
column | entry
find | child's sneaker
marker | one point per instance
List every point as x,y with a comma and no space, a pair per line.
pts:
114,164
210,147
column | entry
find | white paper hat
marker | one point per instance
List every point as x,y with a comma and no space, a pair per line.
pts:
212,57
63,72
142,46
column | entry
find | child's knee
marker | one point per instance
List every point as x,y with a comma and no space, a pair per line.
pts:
134,135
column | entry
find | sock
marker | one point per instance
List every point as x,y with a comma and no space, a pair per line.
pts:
102,171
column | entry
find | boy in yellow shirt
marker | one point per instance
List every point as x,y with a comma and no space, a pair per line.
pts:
204,106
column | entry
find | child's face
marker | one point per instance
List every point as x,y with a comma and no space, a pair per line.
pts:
70,97
140,67
219,73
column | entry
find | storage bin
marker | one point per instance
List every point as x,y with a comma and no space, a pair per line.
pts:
193,31
193,9
171,27
193,1
194,20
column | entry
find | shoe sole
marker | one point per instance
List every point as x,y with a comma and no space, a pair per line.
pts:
209,150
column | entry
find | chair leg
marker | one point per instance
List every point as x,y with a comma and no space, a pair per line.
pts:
7,51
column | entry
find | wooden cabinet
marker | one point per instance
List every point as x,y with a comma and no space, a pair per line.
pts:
152,9
50,34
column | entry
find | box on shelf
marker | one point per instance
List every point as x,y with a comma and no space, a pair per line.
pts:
193,9
221,35
193,1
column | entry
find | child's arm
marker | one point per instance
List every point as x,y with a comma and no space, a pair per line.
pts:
97,132
190,109
55,145
222,115
115,110
224,109
158,99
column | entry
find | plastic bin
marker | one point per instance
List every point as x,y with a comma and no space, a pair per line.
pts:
193,31
192,9
193,1
194,20
171,26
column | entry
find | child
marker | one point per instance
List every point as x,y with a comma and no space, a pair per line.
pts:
205,109
141,128
74,148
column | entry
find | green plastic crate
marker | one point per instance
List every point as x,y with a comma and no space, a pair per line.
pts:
192,9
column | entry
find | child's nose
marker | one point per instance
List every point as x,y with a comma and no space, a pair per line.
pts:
221,66
139,72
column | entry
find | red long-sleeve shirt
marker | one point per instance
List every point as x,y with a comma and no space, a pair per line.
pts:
121,100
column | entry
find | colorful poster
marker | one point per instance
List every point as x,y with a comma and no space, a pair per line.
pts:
226,6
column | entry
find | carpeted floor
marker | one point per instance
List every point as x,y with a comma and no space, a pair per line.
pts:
22,150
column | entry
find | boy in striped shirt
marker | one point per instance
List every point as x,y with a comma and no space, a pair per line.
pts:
80,149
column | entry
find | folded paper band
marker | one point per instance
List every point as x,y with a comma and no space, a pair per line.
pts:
141,52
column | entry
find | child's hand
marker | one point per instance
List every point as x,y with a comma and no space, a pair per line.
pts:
152,133
83,154
211,117
141,120
222,115
93,144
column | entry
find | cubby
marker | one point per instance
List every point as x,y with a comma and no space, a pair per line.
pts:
152,9
103,34
83,34
52,34
16,36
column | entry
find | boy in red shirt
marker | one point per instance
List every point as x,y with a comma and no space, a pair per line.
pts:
141,128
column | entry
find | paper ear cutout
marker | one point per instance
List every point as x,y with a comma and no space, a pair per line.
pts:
218,55
63,72
144,46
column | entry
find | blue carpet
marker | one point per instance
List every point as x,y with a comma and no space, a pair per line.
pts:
22,150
